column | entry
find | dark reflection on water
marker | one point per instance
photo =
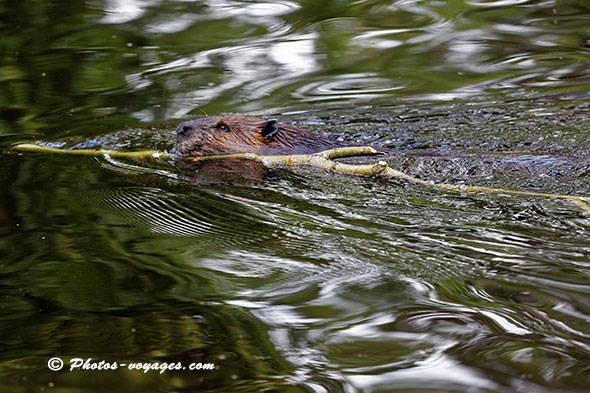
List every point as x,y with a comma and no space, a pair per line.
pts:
297,280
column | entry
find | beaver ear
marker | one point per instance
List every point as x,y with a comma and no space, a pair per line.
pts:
269,129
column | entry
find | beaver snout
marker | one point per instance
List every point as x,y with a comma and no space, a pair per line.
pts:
187,138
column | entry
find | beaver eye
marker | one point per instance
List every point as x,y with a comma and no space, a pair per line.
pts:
222,127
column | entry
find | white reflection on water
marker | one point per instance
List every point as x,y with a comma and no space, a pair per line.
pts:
244,65
378,38
173,25
498,3
437,370
295,56
259,9
122,11
505,324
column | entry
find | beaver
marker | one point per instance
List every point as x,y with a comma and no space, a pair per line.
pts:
242,134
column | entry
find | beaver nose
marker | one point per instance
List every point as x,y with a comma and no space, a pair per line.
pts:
184,128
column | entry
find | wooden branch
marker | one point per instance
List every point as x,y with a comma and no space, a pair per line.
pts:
29,147
323,159
582,202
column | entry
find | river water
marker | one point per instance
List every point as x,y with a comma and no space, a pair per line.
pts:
296,279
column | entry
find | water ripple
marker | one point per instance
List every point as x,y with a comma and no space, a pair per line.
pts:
217,224
249,56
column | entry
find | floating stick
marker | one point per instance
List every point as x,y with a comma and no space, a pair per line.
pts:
323,159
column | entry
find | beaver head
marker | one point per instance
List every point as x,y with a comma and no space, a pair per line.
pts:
241,134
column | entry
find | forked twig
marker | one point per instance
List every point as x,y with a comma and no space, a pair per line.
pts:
324,159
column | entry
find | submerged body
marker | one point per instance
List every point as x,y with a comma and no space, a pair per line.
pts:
242,134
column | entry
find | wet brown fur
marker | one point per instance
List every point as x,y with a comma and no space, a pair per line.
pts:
207,136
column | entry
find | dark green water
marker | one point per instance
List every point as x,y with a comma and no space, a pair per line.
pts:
297,280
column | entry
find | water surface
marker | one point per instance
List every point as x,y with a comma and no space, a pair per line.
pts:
295,279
